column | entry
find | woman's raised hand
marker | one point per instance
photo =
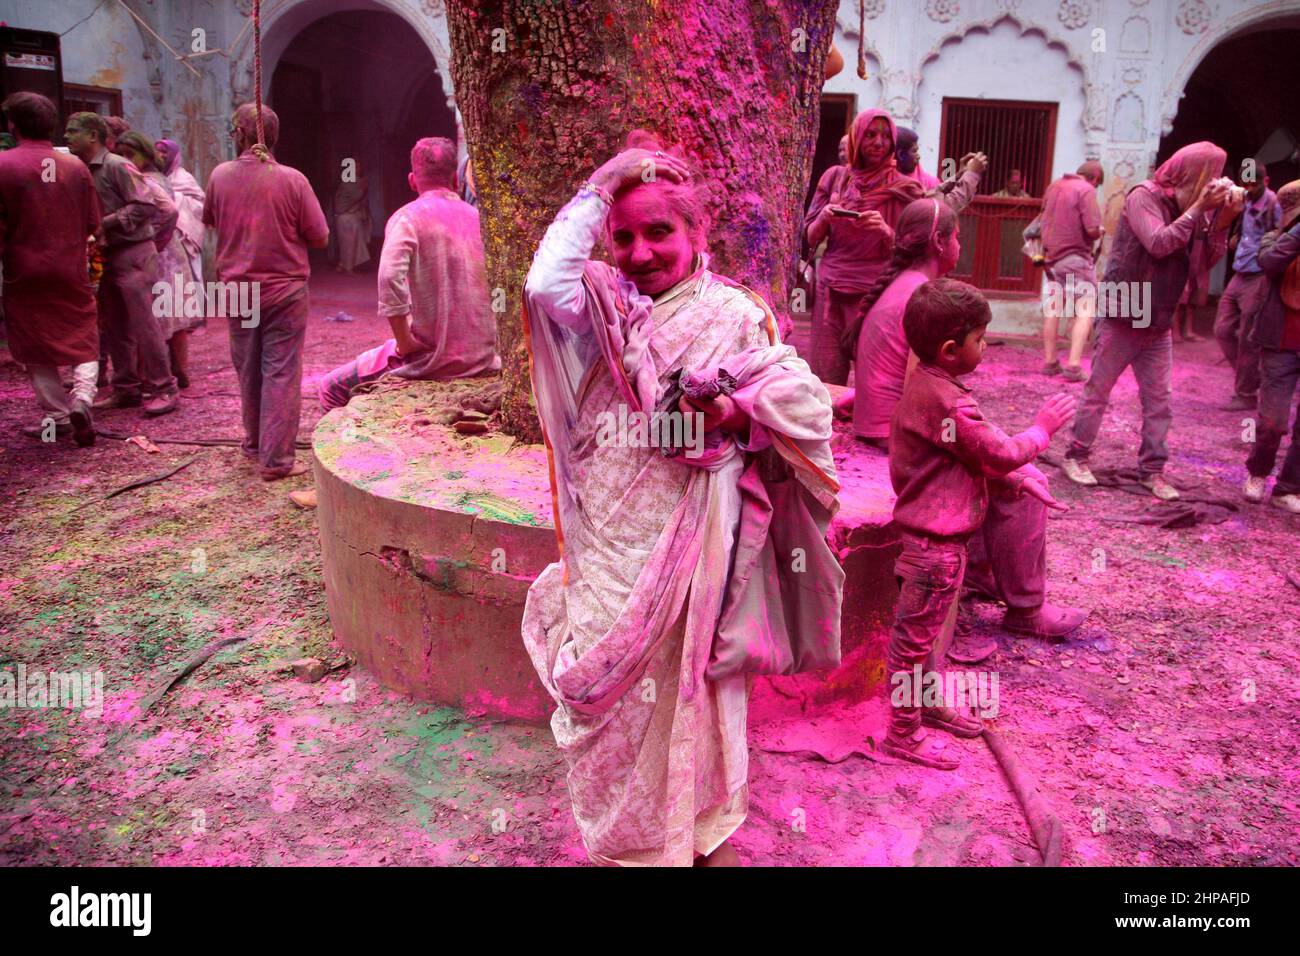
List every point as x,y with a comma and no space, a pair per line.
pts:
975,163
635,165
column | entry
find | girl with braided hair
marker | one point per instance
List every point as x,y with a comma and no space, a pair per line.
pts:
925,247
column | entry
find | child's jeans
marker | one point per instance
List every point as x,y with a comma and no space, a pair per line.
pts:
929,572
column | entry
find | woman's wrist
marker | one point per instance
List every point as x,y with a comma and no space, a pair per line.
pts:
599,190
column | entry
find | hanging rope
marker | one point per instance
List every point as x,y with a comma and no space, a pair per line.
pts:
259,148
862,39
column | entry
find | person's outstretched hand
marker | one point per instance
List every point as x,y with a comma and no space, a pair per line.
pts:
634,166
1036,488
975,163
1056,411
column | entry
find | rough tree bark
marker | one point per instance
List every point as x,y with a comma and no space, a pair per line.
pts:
549,89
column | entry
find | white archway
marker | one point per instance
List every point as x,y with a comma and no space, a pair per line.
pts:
282,20
1263,16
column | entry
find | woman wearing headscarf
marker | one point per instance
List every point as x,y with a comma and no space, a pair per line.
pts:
669,551
190,233
174,260
1144,280
957,196
854,208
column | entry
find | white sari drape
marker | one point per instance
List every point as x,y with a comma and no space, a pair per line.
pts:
620,630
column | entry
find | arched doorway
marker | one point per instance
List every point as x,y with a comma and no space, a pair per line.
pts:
1242,97
358,85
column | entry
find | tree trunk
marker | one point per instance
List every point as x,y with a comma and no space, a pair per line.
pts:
549,89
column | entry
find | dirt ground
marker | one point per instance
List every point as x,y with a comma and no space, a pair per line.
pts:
1164,732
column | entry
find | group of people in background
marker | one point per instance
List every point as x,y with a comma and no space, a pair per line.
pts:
87,300
873,247
885,233
86,239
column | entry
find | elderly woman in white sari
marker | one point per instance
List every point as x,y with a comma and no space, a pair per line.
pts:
352,218
177,261
187,247
675,584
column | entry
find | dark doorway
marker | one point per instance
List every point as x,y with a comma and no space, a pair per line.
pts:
361,86
1243,97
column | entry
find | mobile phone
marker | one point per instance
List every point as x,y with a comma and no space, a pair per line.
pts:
846,213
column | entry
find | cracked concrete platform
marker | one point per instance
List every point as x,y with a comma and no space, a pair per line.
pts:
430,540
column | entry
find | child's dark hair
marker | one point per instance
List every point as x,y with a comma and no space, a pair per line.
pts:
940,310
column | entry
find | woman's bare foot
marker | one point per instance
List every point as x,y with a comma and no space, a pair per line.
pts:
724,855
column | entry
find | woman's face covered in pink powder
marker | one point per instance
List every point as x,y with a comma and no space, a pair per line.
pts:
650,240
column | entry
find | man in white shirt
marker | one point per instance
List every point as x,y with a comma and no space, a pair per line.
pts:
432,286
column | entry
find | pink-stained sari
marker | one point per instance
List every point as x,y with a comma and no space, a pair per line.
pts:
622,628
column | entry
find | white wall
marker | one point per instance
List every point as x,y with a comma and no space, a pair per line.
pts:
1003,64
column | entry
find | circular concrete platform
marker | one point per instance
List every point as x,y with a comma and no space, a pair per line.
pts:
430,540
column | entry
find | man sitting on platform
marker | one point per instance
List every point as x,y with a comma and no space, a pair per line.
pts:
432,287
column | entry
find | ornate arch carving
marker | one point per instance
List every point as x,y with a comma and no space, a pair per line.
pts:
1026,27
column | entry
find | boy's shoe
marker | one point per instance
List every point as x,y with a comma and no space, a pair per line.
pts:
1239,403
920,748
1051,368
1074,373
1159,487
83,426
1289,503
1254,489
1078,472
953,721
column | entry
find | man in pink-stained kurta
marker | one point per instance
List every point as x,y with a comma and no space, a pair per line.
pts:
266,218
48,212
656,544
432,287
